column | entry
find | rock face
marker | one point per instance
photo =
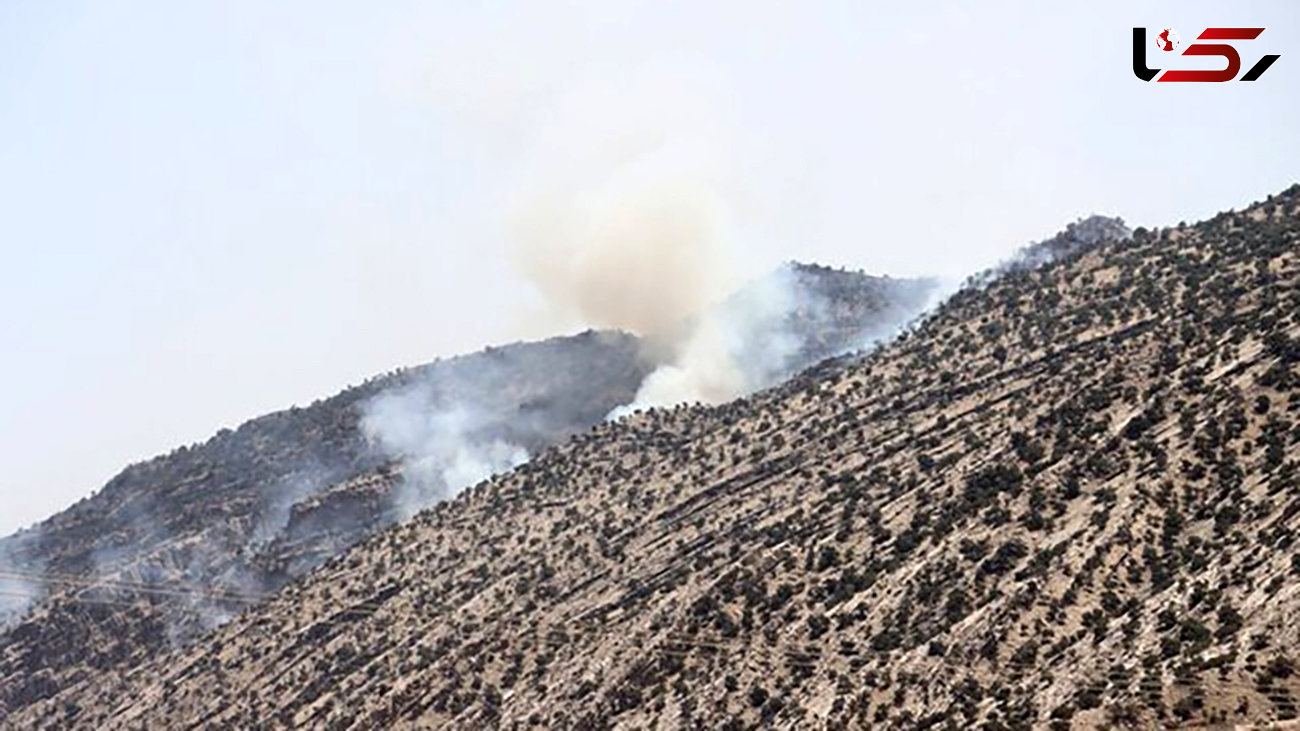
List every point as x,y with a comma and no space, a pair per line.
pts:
173,547
1069,498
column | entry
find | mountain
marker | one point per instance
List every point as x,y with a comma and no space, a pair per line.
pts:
173,547
1066,499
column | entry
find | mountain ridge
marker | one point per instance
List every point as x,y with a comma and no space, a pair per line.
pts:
207,530
1047,504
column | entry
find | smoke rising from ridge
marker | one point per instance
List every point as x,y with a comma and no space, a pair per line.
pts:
626,215
457,422
632,215
731,349
623,216
626,219
443,449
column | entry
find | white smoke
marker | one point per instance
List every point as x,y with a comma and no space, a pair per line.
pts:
278,499
443,449
743,344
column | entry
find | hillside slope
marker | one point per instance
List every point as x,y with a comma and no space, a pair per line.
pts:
1070,497
175,546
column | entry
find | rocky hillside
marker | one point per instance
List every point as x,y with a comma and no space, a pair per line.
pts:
1068,499
172,547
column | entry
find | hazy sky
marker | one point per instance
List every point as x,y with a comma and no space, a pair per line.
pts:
213,210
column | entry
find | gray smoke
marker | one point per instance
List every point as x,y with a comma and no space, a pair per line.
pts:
198,573
620,220
1075,238
627,219
20,583
279,498
443,447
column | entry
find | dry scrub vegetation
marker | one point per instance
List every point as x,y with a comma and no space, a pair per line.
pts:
1068,499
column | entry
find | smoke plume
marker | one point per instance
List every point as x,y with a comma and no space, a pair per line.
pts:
741,345
625,221
443,449
622,218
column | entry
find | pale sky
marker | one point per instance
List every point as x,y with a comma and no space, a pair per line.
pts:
211,210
